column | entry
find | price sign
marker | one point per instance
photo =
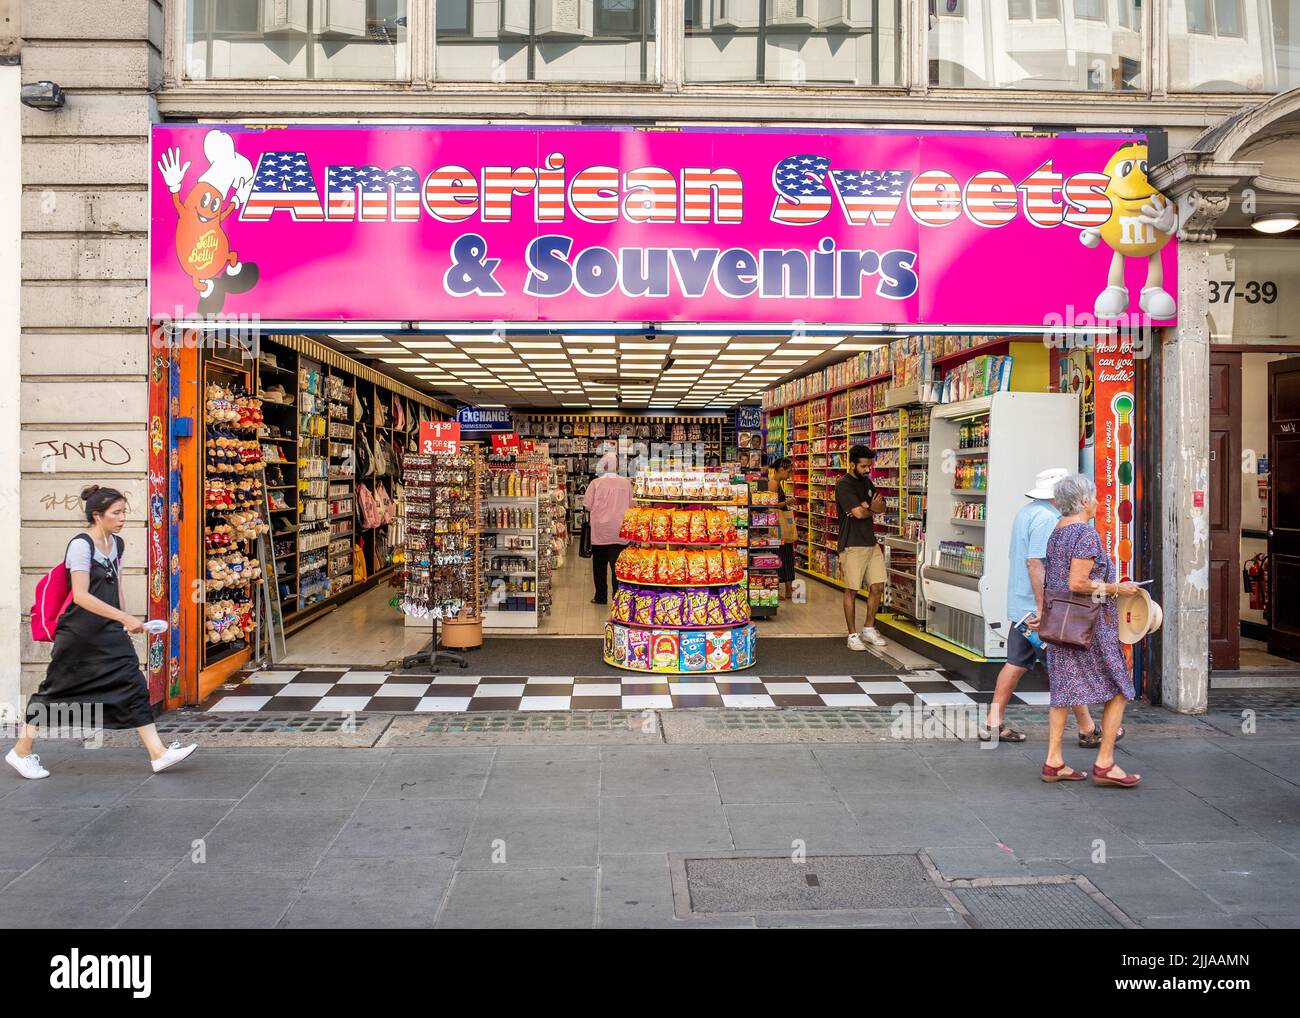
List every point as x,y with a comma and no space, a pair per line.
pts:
529,445
439,438
505,442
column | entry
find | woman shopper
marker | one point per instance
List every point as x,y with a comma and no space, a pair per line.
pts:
1077,562
94,666
777,478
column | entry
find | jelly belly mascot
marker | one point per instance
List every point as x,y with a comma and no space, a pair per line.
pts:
1141,222
202,247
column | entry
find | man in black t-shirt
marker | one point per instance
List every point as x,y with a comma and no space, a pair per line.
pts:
862,561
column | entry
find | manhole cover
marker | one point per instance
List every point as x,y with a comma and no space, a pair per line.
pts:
254,724
822,883
1035,907
536,721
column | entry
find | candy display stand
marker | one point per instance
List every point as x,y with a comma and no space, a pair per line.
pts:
682,606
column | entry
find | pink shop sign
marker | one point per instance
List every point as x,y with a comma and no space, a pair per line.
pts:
621,224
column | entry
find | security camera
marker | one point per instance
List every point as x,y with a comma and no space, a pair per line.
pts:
42,95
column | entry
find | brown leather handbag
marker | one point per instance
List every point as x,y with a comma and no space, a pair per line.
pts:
1069,619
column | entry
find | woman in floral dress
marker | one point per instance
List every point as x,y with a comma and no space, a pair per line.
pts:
1076,561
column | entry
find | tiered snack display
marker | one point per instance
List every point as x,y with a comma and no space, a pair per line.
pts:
764,561
441,578
682,605
233,500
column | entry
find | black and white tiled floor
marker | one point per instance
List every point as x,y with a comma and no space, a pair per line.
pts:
338,691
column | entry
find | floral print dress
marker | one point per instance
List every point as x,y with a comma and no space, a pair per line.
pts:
1095,675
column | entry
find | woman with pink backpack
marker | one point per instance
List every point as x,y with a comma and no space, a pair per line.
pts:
94,667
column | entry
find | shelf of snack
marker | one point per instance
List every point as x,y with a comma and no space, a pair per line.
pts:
764,588
517,561
442,576
234,514
277,370
682,604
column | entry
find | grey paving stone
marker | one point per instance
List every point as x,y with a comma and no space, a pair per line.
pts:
666,770
517,837
821,828
902,822
789,775
8,875
1203,922
1253,877
521,899
79,892
1204,767
196,898
326,784
661,824
227,776
1064,829
1281,922
433,774
1154,816
273,840
27,834
147,829
386,828
968,862
1275,817
1278,757
358,894
636,893
1140,886
83,778
869,770
550,776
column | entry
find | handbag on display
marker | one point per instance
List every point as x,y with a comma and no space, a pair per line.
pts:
1069,619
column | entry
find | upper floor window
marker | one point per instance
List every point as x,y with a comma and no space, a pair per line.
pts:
546,40
1231,46
362,40
804,42
1078,46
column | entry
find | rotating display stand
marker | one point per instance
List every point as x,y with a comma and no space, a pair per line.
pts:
682,606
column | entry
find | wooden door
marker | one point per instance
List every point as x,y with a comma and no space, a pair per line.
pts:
1283,613
1224,506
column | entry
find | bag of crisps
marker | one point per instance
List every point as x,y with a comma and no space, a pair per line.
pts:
713,568
733,564
642,530
621,610
676,571
714,615
730,604
716,524
661,526
668,609
699,527
697,567
697,607
681,525
643,607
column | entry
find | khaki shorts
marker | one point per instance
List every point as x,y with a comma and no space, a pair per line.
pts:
862,567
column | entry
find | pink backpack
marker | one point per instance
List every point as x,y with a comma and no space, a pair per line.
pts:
370,515
53,596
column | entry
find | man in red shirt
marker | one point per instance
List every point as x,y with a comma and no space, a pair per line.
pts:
608,497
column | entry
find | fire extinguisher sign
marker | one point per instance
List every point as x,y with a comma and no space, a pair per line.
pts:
439,438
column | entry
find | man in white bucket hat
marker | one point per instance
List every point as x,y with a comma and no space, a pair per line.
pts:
1030,530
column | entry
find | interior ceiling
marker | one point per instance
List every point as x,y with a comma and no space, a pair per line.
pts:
624,372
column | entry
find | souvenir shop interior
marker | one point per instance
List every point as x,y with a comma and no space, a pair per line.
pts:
349,515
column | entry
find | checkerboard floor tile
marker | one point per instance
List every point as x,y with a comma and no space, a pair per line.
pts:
342,691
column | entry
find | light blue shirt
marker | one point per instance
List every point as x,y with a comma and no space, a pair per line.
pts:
1030,530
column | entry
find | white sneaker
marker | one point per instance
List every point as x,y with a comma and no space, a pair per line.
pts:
28,766
855,642
174,755
870,635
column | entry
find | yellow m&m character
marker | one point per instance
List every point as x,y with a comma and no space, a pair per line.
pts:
1141,222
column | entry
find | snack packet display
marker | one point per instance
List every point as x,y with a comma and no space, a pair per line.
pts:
661,526
697,567
717,649
643,607
672,486
693,648
716,524
681,529
697,607
643,520
676,570
714,615
714,570
668,608
727,597
699,527
621,610
733,564
693,486
638,649
664,651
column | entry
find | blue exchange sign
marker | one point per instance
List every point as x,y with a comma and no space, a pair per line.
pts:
476,419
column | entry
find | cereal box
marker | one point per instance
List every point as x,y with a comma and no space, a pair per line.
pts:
694,647
638,649
717,650
609,641
620,646
665,650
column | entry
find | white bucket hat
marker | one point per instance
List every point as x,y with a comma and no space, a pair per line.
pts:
1046,481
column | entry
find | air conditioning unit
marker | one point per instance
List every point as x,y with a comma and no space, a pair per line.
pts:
792,13
284,16
735,13
570,19
849,14
341,17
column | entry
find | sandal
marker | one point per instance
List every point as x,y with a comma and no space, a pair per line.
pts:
1092,739
1051,773
1005,734
1103,777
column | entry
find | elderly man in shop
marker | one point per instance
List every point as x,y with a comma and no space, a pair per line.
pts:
608,497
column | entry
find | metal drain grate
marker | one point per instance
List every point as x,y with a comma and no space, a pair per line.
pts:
867,719
254,724
821,884
1035,907
535,721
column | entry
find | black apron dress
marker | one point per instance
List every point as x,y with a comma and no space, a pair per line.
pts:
94,661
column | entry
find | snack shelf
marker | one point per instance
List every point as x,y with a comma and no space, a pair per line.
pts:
629,581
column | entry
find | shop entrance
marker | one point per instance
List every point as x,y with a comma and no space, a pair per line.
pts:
1254,518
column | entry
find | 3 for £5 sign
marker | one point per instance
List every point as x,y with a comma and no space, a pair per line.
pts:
439,438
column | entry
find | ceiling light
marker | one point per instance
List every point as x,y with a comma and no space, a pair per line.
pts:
814,340
752,346
1275,222
403,360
